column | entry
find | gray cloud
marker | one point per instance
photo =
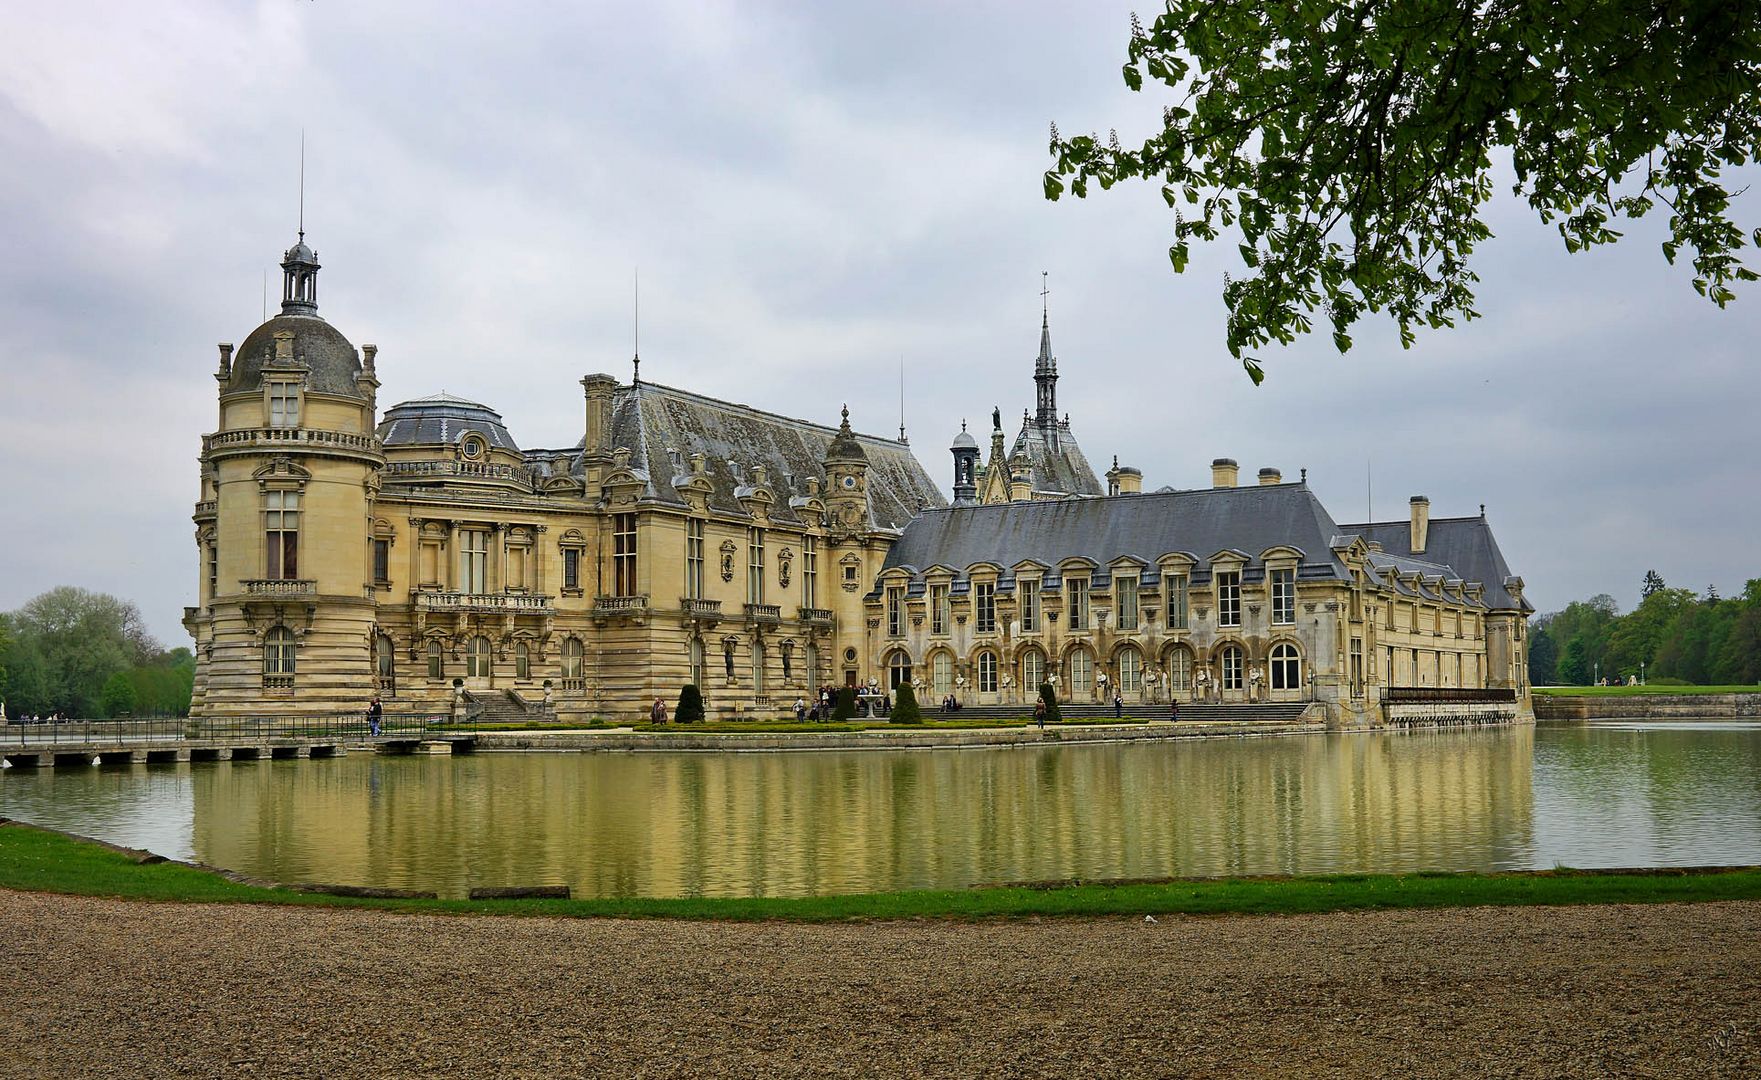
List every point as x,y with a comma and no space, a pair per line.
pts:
813,195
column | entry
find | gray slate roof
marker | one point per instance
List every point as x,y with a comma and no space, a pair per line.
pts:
651,420
442,420
1464,545
332,361
1062,469
1200,523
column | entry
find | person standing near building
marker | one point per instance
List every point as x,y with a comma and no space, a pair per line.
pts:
374,712
1118,705
657,713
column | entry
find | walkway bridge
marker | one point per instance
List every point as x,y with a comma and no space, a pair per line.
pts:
156,741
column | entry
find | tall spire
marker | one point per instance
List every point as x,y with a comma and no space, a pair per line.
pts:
299,265
636,332
1045,368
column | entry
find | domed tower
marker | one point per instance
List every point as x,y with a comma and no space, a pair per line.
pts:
289,477
965,451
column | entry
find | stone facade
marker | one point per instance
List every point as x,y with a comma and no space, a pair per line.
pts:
427,556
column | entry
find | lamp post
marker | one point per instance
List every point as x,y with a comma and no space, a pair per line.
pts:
1596,678
1641,673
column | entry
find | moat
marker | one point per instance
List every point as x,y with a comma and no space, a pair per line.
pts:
1611,793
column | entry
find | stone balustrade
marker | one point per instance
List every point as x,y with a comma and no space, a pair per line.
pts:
272,437
620,605
513,602
769,613
280,587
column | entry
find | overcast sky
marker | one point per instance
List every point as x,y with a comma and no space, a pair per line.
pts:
813,194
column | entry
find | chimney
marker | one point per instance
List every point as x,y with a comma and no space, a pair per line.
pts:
1270,476
1130,480
599,390
1421,522
1223,472
1020,488
225,371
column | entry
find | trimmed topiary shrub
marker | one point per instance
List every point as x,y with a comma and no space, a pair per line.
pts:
845,707
905,710
690,709
1050,697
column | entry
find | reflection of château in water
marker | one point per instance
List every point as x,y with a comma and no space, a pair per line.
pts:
784,824
686,539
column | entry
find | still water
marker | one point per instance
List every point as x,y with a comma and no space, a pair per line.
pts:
681,824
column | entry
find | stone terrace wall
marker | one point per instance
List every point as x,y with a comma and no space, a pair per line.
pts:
1648,706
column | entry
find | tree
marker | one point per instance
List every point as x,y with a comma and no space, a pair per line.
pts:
1351,143
119,695
845,706
1653,583
1050,697
1543,657
905,709
690,708
83,638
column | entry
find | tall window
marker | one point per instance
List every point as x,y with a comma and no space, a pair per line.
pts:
623,555
1232,667
757,666
985,600
1082,672
942,674
810,657
696,654
278,657
898,669
385,660
896,611
1029,593
755,566
477,662
474,560
284,405
1284,596
810,571
572,655
1077,589
1179,668
1033,670
436,660
694,558
1357,667
1130,671
213,569
1176,601
281,523
571,568
1125,601
522,661
1228,598
987,672
381,561
1287,667
938,609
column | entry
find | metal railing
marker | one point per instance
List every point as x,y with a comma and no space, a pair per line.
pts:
1452,695
314,727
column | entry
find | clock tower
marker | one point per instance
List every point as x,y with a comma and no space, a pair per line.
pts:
846,472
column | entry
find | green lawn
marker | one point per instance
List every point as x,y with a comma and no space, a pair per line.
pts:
1634,691
42,861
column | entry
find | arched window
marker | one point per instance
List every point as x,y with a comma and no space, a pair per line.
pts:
942,674
477,661
572,653
278,657
1082,674
1286,667
1130,671
522,661
987,672
898,669
1180,668
1231,660
436,659
696,652
1033,670
384,660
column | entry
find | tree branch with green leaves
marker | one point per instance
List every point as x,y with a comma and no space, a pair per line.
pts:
1349,144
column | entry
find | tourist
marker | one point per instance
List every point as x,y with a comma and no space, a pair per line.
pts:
1173,711
1118,705
657,714
1039,713
374,712
800,710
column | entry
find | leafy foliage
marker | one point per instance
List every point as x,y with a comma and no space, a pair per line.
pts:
690,708
1351,143
68,649
844,707
1050,697
905,708
1673,636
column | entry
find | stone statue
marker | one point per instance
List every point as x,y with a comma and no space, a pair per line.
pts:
996,418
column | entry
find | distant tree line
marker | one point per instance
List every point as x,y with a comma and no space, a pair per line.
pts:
1673,635
88,655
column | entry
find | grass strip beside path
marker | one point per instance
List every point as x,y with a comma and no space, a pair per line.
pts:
40,860
1653,690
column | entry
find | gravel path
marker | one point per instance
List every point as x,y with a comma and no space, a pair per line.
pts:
106,988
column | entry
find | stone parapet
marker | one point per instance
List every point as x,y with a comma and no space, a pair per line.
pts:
1647,706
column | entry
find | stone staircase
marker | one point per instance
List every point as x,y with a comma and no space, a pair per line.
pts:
1266,713
505,707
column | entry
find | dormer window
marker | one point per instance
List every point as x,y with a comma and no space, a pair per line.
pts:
284,404
472,447
1228,598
